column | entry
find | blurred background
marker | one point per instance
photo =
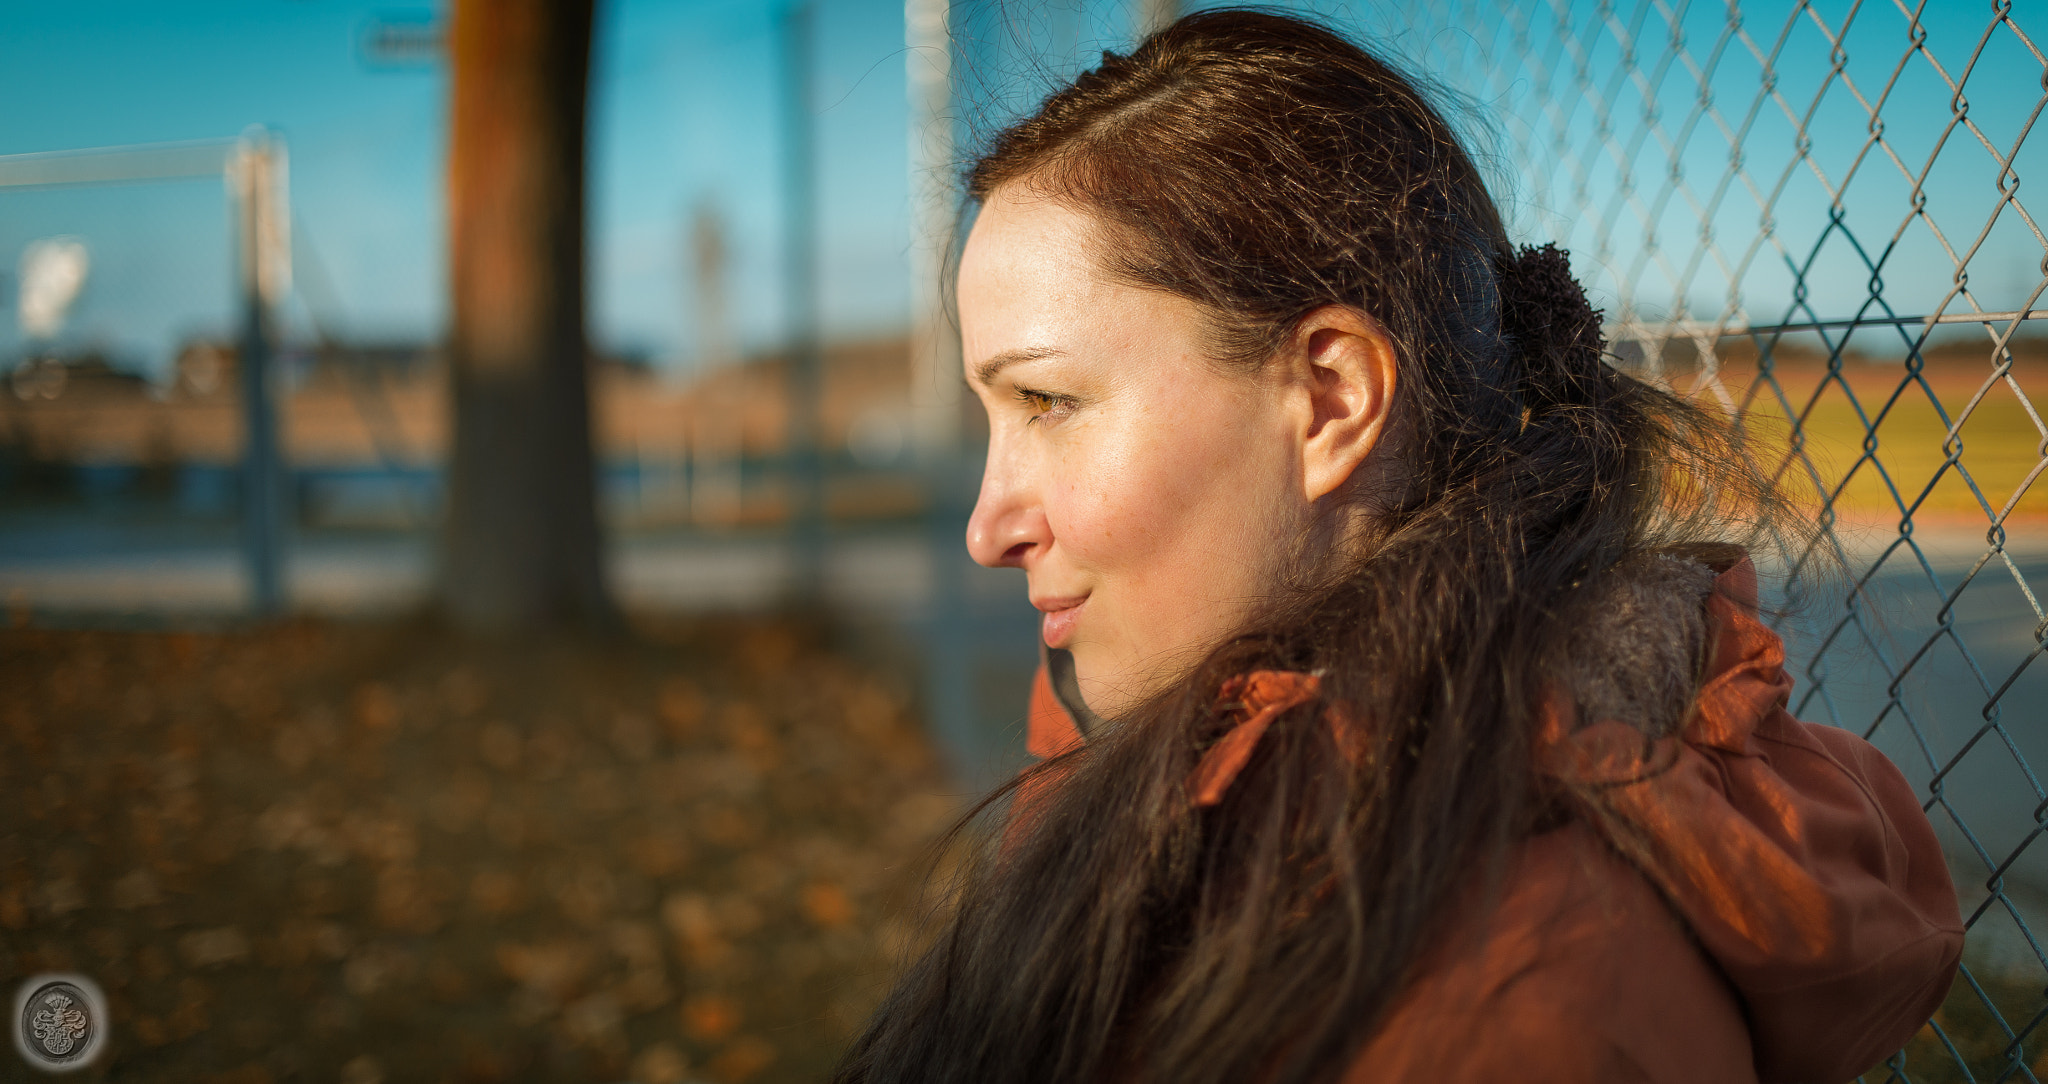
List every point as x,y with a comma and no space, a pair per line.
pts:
482,485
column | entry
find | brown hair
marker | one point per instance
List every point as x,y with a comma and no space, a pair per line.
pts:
1263,166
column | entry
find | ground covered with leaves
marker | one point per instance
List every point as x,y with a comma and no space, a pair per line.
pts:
367,854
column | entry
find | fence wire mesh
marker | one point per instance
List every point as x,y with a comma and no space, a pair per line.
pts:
1814,214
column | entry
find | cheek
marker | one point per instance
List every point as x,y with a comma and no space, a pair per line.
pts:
1177,519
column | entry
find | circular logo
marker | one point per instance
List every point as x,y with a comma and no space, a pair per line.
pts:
60,1022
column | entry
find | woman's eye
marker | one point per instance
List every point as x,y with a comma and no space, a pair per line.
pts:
1042,404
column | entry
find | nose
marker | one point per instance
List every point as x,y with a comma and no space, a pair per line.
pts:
1008,523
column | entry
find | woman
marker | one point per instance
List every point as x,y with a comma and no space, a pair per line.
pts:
1407,713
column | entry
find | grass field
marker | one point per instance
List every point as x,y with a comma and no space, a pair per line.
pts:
1875,436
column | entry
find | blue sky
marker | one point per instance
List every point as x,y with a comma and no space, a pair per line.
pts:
684,106
2002,89
683,109
365,152
683,112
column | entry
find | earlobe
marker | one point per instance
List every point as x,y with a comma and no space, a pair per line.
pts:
1350,364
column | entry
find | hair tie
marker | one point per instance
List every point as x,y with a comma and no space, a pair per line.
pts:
1545,309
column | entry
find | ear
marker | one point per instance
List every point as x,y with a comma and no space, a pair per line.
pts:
1346,362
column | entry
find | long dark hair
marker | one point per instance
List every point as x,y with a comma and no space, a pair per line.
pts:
1264,166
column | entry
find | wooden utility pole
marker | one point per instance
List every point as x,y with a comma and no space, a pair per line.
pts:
520,548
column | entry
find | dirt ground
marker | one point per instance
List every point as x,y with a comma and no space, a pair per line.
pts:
379,853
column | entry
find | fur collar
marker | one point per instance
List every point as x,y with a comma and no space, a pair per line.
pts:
1638,644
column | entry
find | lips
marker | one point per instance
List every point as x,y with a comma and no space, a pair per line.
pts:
1061,614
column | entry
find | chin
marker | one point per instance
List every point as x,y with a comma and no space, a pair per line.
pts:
1111,689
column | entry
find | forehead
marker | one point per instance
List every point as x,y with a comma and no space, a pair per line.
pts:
1027,243
1029,276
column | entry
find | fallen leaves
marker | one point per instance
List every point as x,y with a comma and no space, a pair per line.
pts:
826,905
377,968
362,1069
682,708
710,1018
377,854
742,1060
212,948
661,1063
496,893
376,706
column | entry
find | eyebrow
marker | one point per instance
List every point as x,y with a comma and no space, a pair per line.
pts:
987,370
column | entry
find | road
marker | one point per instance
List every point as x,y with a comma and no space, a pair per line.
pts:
1928,694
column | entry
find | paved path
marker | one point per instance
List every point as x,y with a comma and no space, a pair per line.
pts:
886,574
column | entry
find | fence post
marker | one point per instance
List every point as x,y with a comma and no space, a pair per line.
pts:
935,379
257,173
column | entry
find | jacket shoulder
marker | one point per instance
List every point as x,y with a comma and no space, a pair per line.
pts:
1569,969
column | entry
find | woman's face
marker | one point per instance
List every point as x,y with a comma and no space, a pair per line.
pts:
1151,497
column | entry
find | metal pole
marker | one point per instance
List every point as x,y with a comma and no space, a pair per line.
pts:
715,424
935,385
1155,15
800,266
256,168
934,348
119,165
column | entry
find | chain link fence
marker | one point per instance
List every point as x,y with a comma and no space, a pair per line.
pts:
1814,214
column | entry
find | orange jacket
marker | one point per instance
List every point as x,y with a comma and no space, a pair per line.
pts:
1793,919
